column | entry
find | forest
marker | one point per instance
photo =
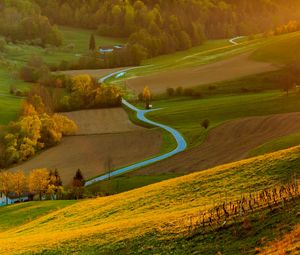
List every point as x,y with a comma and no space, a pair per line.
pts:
164,26
22,21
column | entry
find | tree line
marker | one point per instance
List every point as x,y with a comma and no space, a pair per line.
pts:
158,27
42,183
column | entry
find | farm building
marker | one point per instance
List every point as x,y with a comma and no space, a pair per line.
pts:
103,50
12,198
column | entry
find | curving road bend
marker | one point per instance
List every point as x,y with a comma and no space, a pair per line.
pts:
233,40
181,143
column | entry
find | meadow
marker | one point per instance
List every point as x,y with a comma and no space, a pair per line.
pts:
9,104
186,115
75,44
151,219
282,50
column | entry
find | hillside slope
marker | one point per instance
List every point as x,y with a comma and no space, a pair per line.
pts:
104,225
231,141
232,68
282,49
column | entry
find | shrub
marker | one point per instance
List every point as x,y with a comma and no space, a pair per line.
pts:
205,123
198,94
170,92
188,92
12,89
179,91
34,70
2,44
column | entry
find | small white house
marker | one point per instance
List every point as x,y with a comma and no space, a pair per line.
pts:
12,198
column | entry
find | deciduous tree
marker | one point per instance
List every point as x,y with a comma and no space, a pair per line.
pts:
6,185
147,97
39,181
19,183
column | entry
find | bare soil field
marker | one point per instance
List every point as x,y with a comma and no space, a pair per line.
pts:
228,143
96,73
102,121
228,69
90,153
102,134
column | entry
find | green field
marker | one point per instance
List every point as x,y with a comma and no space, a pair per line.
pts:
19,214
9,105
126,182
209,52
152,218
186,115
282,49
276,145
79,38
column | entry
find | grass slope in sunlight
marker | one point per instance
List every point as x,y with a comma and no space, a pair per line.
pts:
282,49
139,217
19,214
211,51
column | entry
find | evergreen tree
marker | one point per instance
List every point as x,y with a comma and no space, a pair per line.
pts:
92,46
78,184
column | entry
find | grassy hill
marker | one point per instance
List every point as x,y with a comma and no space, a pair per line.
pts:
281,49
186,114
150,220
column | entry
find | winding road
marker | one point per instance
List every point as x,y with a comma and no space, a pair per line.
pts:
181,143
233,40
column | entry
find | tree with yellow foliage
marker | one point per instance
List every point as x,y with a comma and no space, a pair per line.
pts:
27,109
19,183
39,181
5,183
147,96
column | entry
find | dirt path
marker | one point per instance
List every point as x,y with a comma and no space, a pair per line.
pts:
228,69
228,143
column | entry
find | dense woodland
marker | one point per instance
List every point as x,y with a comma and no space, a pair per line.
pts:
22,21
164,26
153,27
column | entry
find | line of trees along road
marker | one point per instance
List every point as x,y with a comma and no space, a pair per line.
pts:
164,26
42,183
